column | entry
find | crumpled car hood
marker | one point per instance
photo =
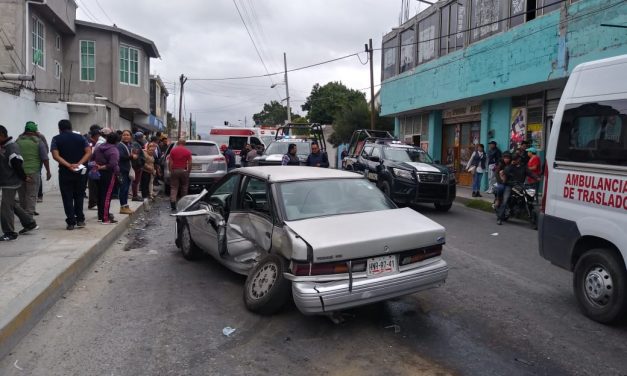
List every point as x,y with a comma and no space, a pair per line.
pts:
352,236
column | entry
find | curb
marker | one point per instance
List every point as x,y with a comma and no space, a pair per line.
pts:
47,294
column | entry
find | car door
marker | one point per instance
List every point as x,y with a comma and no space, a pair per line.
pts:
362,159
209,230
373,163
249,227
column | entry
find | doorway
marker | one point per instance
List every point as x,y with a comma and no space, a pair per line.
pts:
458,143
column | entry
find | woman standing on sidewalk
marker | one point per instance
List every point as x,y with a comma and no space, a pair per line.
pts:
107,159
476,166
126,155
148,172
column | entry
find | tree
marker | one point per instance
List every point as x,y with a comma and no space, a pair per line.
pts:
351,117
273,113
325,102
171,123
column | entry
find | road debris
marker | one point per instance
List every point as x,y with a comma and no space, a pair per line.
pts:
227,331
16,366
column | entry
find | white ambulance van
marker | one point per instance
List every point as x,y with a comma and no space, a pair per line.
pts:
583,224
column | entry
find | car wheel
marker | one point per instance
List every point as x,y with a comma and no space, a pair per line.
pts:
385,188
443,207
600,284
266,290
189,249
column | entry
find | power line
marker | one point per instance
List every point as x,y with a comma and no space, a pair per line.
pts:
254,44
104,12
277,73
88,13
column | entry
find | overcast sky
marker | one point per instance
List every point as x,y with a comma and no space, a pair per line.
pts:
207,39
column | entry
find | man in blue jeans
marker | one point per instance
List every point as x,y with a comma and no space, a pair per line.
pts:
72,151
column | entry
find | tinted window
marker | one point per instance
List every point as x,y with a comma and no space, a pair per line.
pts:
302,148
407,155
317,198
237,143
594,133
203,149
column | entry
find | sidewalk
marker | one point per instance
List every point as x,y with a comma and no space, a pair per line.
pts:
38,268
464,195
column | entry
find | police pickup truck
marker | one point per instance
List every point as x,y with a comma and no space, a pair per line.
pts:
406,173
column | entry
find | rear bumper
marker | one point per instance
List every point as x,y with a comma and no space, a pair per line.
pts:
321,297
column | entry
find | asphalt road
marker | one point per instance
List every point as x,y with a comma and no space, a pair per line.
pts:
143,310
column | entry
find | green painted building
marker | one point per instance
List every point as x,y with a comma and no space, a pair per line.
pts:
471,71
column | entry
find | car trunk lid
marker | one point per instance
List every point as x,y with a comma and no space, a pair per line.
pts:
359,235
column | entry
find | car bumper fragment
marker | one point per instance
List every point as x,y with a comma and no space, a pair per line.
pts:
321,297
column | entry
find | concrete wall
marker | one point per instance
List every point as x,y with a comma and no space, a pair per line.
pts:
46,115
12,25
45,77
533,53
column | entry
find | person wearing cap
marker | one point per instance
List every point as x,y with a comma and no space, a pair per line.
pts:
534,166
494,157
35,154
229,155
180,165
12,176
71,151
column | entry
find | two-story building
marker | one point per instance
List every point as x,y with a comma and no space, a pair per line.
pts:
464,72
96,74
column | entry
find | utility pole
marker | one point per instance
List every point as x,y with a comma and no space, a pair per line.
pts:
182,79
369,51
191,136
287,90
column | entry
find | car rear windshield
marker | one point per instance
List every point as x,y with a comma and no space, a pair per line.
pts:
407,155
318,198
302,148
202,149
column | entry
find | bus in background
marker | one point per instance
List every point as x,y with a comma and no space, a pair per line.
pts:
237,138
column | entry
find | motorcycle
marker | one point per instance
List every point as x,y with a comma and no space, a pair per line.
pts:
521,202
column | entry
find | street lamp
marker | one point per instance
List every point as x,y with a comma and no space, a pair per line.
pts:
287,89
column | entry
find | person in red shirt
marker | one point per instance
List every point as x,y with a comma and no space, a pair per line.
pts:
534,166
180,164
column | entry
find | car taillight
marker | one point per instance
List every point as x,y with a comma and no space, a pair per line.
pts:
545,190
417,255
219,160
310,269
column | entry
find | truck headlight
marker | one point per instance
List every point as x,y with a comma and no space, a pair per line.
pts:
403,173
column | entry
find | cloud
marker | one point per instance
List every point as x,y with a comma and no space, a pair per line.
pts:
204,39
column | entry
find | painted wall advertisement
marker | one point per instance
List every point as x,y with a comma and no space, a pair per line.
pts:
518,127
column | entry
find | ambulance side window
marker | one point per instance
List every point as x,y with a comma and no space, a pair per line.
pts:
594,133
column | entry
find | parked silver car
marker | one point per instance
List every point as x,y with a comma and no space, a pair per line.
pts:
208,164
330,236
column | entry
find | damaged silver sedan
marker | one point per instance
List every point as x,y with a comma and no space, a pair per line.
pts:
330,239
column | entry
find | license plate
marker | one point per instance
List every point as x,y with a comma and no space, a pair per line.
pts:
196,167
381,265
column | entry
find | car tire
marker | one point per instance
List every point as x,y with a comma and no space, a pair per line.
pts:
600,285
385,188
266,290
189,249
443,207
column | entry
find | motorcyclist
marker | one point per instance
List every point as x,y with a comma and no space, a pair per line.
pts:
512,175
505,161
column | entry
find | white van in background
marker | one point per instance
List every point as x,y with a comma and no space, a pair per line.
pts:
583,225
237,138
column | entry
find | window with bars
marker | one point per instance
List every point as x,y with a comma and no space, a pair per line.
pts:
129,65
38,41
88,60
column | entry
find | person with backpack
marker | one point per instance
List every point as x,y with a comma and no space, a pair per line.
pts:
12,176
